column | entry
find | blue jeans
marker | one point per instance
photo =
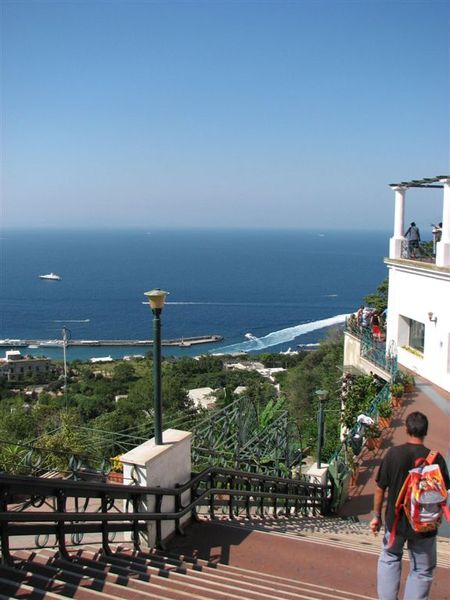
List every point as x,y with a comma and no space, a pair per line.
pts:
422,553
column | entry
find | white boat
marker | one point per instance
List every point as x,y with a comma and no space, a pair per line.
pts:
50,277
250,336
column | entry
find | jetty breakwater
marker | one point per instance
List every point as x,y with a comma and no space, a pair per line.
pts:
182,342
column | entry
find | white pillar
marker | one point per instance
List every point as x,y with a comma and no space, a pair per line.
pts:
395,245
163,466
443,247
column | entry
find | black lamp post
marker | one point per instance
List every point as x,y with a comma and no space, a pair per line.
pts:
322,396
156,300
66,334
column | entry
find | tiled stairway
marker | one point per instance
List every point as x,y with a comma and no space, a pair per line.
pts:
285,558
91,575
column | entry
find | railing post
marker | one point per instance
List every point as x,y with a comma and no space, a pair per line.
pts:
230,498
4,534
158,505
178,506
60,524
105,533
248,487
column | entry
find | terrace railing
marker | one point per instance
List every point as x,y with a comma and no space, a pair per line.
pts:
373,350
55,511
424,252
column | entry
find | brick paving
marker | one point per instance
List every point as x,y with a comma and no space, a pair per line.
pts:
433,402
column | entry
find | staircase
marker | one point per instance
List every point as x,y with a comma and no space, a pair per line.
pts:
309,558
89,574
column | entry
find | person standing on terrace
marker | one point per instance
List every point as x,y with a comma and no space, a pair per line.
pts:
413,236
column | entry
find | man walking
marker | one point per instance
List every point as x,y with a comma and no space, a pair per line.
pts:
392,473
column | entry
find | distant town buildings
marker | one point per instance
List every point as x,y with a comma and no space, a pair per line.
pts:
204,397
15,367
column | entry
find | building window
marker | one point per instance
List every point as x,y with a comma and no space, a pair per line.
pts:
416,335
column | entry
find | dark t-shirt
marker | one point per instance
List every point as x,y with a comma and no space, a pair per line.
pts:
392,474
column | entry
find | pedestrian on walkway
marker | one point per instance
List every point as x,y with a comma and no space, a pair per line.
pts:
391,475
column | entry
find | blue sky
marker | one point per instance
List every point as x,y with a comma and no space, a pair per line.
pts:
222,114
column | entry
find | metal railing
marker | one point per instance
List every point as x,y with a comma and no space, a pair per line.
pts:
423,251
230,437
376,353
42,508
371,349
340,469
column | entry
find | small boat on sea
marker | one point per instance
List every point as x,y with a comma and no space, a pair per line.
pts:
250,336
50,277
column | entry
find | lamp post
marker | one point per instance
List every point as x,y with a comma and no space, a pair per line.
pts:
322,396
156,300
66,335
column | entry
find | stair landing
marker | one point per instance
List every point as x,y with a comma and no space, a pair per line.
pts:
338,557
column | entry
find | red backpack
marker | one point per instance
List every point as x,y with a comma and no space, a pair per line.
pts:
422,497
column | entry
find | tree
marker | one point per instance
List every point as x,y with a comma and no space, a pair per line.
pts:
379,299
320,369
124,373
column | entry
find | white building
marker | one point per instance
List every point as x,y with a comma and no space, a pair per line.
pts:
418,320
204,397
15,367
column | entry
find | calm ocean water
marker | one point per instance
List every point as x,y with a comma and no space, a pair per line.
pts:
277,286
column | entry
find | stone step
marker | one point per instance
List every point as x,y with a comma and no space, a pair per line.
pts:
114,581
130,575
20,591
217,579
25,578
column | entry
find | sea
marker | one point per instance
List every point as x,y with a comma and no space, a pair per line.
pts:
262,291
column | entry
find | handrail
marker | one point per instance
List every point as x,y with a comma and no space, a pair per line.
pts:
213,488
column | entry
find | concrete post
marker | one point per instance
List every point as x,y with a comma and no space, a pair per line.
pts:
443,247
165,465
396,241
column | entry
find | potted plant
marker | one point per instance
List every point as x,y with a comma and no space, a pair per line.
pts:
373,437
353,465
384,414
408,382
116,473
397,390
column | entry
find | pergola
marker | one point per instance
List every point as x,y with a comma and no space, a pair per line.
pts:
426,182
397,240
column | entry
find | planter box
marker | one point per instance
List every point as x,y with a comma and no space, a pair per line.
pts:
396,401
373,443
384,422
115,477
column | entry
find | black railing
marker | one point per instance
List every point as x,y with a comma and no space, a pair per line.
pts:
42,508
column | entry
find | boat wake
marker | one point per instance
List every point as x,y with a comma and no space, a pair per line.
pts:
71,320
282,336
173,303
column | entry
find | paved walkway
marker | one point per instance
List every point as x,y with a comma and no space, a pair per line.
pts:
433,402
